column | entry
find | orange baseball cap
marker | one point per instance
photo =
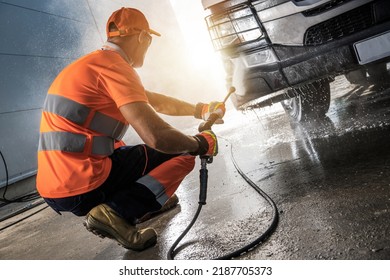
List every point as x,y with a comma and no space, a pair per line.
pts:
129,21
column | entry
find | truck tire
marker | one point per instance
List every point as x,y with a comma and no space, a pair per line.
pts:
377,75
311,101
357,77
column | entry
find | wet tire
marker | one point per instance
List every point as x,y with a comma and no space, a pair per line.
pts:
312,101
371,75
357,77
378,74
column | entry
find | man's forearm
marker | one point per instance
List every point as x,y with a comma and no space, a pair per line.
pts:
155,132
169,105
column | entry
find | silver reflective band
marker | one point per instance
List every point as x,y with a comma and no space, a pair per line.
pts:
74,143
66,108
102,145
62,141
155,187
78,114
108,126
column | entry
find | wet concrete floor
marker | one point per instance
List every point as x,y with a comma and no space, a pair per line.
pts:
329,181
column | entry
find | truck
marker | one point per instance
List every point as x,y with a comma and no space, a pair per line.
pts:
289,51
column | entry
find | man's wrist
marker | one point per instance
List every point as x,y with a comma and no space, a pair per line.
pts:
198,110
203,146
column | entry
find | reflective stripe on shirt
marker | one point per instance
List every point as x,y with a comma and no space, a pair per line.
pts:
66,108
74,143
78,114
108,126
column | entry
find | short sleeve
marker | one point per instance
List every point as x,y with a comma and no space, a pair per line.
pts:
122,83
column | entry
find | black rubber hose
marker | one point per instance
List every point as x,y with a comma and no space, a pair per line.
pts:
171,252
5,201
273,224
253,244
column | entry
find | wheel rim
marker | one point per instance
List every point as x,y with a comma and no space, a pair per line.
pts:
312,101
293,107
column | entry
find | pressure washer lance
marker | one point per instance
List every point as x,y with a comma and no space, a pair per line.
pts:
203,176
204,160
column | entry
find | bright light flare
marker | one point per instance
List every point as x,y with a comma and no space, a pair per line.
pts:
202,57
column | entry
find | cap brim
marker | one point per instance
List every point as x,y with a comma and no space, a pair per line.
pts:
151,31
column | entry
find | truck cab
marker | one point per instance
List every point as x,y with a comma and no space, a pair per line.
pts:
290,50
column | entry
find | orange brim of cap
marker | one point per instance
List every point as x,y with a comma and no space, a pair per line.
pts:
151,31
127,33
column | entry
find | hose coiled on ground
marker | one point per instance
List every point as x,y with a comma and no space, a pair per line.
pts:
264,236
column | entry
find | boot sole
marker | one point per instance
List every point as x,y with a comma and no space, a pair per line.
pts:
101,230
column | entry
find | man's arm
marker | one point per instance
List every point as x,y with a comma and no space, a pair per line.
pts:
155,132
169,105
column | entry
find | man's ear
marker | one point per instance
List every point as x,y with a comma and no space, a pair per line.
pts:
143,37
140,38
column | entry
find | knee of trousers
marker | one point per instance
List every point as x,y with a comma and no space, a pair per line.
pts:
164,180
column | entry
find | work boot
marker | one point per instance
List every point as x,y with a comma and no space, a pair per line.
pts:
105,222
169,204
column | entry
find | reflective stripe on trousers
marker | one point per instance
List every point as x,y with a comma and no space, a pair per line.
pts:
164,180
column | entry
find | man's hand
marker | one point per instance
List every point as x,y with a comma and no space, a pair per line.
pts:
203,111
208,144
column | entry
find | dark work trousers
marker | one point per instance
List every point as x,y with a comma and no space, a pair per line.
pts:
121,191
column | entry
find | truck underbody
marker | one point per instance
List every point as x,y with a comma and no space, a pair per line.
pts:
289,51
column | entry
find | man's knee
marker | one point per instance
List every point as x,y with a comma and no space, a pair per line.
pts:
187,162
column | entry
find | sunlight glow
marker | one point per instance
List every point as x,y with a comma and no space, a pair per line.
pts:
190,16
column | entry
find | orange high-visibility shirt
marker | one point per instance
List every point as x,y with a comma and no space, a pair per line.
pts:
81,123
